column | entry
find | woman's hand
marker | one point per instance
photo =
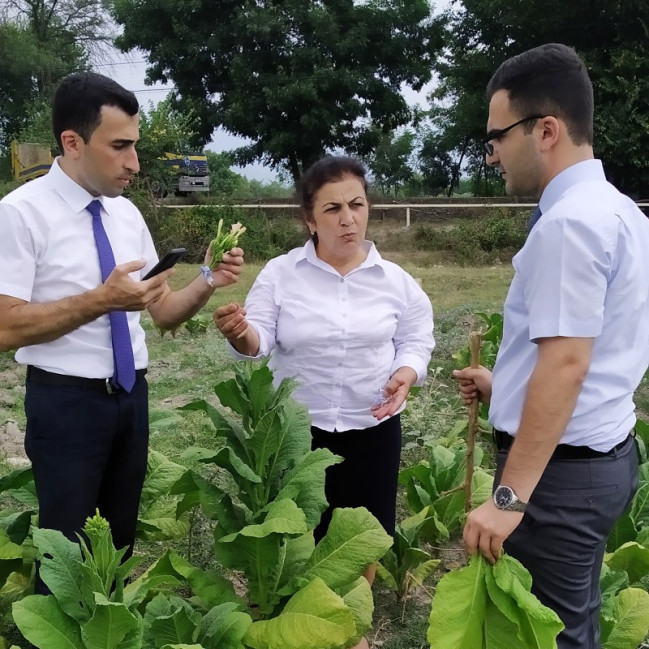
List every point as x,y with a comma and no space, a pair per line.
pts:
230,320
395,392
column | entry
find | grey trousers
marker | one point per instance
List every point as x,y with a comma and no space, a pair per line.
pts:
562,537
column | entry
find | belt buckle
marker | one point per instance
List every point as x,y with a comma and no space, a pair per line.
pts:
110,388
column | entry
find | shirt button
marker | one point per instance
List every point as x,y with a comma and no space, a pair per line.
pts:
337,385
342,279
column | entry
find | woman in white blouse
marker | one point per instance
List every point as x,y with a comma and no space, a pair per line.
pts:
356,332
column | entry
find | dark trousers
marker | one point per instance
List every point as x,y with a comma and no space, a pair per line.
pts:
562,537
368,477
88,451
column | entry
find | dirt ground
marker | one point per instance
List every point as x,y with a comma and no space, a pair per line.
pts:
12,378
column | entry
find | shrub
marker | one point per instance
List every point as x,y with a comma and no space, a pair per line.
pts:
479,240
194,227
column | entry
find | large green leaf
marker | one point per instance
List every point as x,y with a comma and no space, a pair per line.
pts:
11,556
179,626
45,625
354,540
61,571
223,627
631,619
623,532
459,606
446,468
227,459
538,625
305,484
282,517
266,439
20,483
109,625
233,433
640,507
161,474
17,525
633,558
296,552
314,618
358,596
294,445
260,392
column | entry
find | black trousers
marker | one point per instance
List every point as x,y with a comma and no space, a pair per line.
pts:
88,451
369,475
562,537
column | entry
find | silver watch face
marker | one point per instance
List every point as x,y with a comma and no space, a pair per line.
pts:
504,496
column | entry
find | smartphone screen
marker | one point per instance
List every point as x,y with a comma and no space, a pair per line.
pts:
171,258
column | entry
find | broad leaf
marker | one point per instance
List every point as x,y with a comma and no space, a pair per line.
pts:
314,618
223,627
305,484
358,596
631,619
109,625
632,558
354,540
459,607
61,571
43,623
162,473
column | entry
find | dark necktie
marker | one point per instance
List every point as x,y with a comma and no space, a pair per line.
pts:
536,215
122,348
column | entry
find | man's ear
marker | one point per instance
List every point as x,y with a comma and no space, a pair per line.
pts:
71,143
550,132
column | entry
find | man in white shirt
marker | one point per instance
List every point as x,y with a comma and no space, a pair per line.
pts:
575,343
73,253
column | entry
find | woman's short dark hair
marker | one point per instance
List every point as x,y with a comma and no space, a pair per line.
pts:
79,99
550,79
328,170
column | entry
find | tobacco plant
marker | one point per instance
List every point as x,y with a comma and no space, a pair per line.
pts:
299,594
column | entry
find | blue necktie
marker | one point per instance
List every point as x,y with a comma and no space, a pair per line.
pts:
122,348
536,215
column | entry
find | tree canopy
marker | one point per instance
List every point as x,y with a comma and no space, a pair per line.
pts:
297,77
611,36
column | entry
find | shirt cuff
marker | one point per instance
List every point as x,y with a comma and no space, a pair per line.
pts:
566,327
413,361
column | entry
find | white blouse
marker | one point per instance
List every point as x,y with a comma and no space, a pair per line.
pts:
341,337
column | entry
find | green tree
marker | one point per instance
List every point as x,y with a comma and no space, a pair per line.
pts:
223,181
390,161
297,77
435,164
611,36
42,41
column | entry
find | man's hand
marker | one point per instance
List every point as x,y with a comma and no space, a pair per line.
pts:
475,383
120,292
230,320
229,269
395,392
486,529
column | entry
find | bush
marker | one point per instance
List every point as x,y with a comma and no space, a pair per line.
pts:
194,227
479,240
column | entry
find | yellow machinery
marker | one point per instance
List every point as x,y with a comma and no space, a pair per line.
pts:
29,161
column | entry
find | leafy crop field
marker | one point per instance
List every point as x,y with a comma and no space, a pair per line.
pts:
186,365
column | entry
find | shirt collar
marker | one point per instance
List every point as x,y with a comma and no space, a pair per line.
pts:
308,253
69,190
585,171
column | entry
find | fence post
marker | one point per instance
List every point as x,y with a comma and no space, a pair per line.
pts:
407,217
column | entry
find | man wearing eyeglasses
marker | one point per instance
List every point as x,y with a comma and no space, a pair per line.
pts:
575,343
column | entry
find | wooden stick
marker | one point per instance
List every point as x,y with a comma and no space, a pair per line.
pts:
475,341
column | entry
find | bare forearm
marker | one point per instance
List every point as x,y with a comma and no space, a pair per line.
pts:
248,344
177,306
551,397
25,323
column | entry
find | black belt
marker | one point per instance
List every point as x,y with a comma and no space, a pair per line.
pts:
38,375
562,451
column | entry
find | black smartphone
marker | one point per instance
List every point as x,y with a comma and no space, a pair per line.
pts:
171,258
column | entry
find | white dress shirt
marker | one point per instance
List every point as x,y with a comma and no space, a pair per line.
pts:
48,252
583,272
341,337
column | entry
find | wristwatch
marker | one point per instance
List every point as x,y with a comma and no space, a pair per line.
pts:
506,499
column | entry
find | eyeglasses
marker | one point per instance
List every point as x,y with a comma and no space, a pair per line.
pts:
497,134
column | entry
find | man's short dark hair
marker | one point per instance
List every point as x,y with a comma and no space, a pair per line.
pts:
79,99
552,80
